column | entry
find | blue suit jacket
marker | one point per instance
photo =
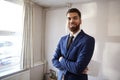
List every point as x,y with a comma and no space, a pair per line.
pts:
77,58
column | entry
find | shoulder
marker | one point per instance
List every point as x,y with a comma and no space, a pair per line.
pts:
88,37
63,38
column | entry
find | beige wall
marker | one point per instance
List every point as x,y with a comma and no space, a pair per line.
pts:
101,19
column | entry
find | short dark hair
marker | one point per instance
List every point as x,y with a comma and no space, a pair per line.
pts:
74,10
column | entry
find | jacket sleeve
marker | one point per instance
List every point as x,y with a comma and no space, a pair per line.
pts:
57,55
83,58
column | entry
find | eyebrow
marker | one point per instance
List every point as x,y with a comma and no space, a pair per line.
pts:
72,17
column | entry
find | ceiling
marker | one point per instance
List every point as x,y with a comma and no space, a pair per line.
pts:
58,3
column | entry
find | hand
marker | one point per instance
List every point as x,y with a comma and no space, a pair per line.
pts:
60,58
61,66
85,71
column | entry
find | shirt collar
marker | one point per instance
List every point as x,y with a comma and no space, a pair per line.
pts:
76,33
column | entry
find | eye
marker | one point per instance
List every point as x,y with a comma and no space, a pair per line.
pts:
69,18
75,18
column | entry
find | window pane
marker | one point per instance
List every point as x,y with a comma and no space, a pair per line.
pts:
11,29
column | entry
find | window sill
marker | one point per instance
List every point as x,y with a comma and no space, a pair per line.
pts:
12,71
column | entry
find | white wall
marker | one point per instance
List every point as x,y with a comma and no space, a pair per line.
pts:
55,28
101,19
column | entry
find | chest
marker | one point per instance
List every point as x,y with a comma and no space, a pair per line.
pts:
73,52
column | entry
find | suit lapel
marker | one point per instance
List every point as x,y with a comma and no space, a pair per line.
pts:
65,44
74,43
78,38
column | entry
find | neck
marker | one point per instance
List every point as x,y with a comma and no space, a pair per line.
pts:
75,34
72,33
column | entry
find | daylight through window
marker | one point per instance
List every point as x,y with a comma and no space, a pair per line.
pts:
11,31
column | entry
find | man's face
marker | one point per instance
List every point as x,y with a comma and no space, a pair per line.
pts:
73,22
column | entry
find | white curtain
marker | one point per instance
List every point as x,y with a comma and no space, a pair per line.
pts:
27,55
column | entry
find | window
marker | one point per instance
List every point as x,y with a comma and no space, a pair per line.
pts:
11,31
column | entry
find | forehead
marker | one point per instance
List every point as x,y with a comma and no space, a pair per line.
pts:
73,14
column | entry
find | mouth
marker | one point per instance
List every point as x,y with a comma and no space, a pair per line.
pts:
72,25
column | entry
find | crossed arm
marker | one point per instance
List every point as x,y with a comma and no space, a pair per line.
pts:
80,65
85,71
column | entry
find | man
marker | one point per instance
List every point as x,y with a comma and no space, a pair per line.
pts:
76,56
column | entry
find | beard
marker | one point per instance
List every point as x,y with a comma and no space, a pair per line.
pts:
73,27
